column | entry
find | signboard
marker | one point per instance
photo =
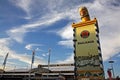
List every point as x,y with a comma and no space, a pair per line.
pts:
87,48
87,54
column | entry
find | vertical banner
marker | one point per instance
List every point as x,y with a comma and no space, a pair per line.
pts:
88,59
33,55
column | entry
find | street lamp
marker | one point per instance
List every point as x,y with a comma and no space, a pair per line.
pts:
111,63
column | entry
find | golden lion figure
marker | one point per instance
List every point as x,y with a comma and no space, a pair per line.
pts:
84,14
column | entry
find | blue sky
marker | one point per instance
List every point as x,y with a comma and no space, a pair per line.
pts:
26,25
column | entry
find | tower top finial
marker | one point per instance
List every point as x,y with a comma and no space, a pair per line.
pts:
84,14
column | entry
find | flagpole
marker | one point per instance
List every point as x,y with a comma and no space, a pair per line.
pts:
33,54
49,50
4,63
31,70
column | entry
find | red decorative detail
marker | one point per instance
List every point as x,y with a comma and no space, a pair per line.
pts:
85,34
109,74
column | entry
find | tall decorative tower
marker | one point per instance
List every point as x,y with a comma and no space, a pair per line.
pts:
87,52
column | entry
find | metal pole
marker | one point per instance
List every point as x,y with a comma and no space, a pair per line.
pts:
4,63
3,71
30,72
33,54
49,60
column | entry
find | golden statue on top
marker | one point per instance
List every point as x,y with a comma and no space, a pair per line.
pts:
84,14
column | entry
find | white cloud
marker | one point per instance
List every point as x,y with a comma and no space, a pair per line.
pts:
38,49
25,5
67,43
50,17
19,32
66,32
43,55
30,46
69,59
28,58
4,44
